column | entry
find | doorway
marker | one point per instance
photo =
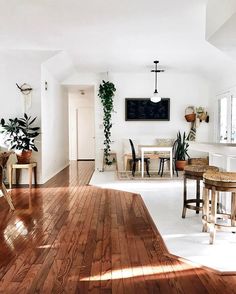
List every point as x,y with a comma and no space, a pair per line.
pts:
81,122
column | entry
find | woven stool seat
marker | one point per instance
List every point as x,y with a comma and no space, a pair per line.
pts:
199,170
218,182
195,172
227,177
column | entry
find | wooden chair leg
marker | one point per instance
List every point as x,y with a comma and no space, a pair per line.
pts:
205,209
233,208
198,196
213,216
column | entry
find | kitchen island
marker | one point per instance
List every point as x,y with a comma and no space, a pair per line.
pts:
222,155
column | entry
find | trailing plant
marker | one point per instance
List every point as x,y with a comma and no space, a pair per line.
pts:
19,133
106,93
182,147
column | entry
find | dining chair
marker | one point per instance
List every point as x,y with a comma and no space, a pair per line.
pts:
165,158
3,161
136,159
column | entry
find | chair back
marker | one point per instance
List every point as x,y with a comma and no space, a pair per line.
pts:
133,150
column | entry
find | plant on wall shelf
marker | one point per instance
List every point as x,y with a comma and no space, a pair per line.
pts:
106,93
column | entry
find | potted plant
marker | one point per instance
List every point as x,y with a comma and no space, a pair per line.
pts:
181,153
19,135
106,93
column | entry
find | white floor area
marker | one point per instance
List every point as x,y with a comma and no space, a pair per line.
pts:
183,237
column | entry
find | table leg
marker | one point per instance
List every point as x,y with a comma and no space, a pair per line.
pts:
35,174
142,160
18,172
10,171
30,177
171,164
125,162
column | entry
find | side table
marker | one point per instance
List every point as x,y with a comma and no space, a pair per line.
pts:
30,166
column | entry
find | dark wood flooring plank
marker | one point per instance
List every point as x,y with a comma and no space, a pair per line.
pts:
67,237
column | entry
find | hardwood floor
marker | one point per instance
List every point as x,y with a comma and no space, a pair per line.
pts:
67,237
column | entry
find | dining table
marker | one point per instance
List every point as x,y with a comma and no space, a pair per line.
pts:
154,148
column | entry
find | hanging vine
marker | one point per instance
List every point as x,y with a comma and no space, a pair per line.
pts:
106,93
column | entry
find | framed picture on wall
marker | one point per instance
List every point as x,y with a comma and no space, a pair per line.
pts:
143,109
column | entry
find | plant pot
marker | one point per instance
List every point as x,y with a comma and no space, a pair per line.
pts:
24,156
180,164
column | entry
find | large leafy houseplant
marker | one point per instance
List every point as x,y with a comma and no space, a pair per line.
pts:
181,153
106,93
19,135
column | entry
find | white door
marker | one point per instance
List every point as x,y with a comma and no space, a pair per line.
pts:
85,133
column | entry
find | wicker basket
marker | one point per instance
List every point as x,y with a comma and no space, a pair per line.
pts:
190,114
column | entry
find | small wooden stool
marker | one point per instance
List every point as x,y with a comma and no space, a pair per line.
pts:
30,166
194,172
218,182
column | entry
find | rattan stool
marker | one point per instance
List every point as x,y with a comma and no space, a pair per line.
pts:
194,172
218,182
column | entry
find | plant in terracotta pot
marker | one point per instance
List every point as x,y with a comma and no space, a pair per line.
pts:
19,135
181,154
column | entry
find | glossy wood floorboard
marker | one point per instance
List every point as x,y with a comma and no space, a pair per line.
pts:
68,237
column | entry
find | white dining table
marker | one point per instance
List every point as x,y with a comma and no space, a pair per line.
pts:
153,148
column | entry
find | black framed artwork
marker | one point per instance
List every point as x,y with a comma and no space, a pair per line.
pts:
143,109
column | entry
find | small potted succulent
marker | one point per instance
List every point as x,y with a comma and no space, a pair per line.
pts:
181,153
19,135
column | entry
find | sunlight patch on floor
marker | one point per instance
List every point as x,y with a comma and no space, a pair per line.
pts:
126,273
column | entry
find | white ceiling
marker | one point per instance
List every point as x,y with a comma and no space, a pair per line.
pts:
109,35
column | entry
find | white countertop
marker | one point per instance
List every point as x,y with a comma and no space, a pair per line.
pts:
213,147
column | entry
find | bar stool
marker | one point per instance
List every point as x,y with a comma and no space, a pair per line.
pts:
218,182
194,172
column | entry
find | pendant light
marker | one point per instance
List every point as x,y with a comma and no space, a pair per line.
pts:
156,97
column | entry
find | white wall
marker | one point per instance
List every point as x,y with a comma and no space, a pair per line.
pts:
55,138
183,89
22,66
76,100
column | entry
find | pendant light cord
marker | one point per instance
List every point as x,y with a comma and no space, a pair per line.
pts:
156,71
155,78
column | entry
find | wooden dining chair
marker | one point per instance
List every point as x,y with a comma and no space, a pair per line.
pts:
165,158
136,159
